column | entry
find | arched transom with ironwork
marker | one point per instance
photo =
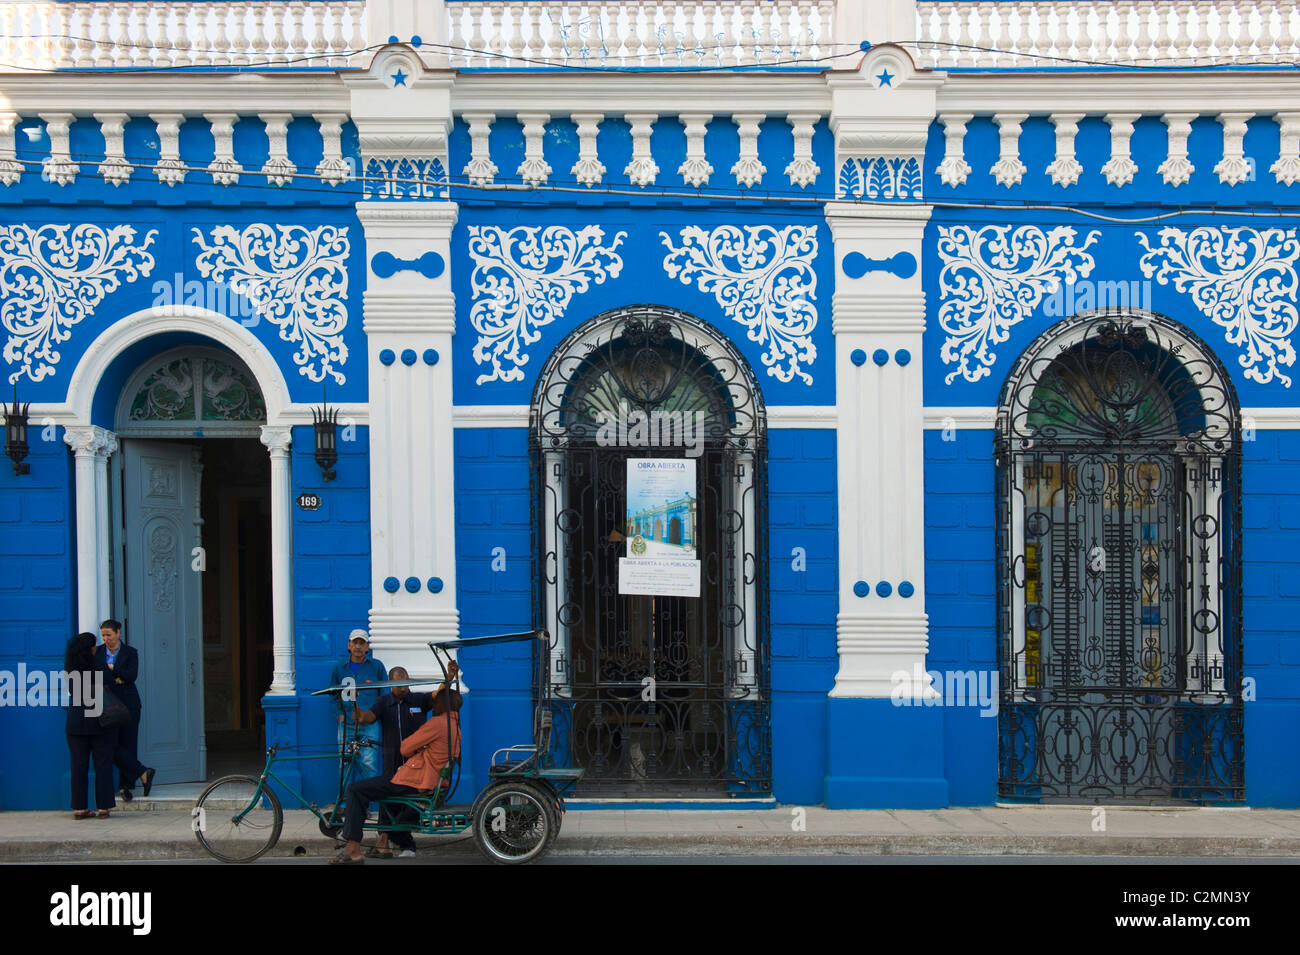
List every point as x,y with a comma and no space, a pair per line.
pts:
191,390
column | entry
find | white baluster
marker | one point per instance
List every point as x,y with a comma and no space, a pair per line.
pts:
279,42
1234,34
474,39
1274,51
80,30
257,34
1256,28
183,42
297,34
319,47
218,40
239,34
358,35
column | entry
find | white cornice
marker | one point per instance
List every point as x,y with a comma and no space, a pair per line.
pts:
188,93
961,419
1096,93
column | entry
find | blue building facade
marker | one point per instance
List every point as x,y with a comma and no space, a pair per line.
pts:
992,361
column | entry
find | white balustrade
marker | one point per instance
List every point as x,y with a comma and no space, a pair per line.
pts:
660,34
636,33
1034,33
52,36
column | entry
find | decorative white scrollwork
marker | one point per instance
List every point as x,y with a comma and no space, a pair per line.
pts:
523,279
762,277
1242,279
992,279
56,275
879,177
296,277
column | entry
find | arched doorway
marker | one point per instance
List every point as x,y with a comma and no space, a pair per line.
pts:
653,691
1119,473
191,558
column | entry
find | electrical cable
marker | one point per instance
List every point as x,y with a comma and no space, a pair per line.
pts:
760,204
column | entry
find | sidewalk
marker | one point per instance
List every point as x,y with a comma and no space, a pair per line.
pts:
1027,830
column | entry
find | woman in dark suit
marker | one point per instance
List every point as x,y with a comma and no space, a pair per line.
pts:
121,666
86,738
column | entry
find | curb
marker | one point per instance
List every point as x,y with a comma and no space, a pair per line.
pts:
713,844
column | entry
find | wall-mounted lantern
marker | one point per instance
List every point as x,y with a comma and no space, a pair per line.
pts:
16,434
326,422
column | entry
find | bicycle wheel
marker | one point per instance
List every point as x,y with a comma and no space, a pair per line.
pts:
234,822
513,823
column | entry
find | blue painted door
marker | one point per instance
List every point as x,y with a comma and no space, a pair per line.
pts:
164,602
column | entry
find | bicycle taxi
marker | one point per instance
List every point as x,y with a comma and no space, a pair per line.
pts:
514,818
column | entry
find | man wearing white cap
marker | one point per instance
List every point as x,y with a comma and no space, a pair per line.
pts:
360,668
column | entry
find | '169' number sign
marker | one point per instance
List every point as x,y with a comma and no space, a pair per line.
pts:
309,502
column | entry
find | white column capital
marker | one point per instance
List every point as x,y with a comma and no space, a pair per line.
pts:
277,439
90,441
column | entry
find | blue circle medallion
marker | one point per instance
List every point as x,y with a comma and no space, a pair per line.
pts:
430,356
413,585
435,585
408,356
880,356
391,584
862,588
387,356
883,589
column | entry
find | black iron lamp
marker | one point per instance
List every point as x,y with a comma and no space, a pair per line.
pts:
326,422
16,434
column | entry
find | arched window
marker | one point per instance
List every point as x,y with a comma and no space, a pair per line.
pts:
650,382
1118,453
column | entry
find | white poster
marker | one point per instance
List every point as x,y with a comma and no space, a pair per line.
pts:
660,529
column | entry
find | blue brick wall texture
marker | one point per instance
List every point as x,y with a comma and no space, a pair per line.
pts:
331,578
802,518
37,586
960,598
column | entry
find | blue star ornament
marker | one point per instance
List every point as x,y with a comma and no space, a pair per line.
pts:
399,78
886,78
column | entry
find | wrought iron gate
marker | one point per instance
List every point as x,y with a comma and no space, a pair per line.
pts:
1119,468
652,693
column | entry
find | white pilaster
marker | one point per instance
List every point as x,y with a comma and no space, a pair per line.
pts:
878,320
277,441
91,446
409,322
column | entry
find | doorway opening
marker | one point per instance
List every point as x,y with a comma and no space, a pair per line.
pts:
653,691
192,561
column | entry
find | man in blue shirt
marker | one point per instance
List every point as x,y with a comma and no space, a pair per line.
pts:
360,668
400,712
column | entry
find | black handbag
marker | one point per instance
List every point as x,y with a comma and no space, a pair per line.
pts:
115,712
